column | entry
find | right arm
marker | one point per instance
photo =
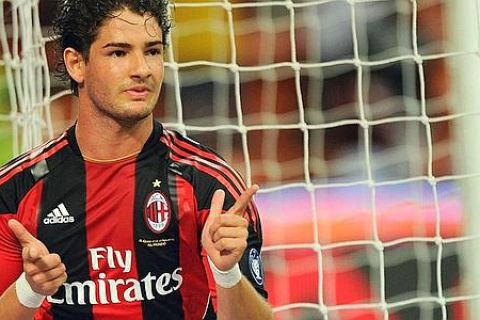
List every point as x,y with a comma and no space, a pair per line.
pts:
11,308
43,273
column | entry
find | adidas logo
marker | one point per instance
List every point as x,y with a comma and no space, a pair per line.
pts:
59,215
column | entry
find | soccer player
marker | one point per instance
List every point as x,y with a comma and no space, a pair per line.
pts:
146,223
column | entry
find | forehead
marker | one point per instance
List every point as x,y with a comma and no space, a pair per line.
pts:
126,25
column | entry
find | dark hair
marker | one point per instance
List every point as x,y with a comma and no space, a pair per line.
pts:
78,21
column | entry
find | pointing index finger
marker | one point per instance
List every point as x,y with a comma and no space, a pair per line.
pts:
242,202
30,253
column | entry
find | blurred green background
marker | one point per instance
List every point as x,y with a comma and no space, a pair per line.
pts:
5,125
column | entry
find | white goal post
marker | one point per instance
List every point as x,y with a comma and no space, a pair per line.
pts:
358,118
464,26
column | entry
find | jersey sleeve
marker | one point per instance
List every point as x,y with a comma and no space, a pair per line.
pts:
15,184
207,172
10,254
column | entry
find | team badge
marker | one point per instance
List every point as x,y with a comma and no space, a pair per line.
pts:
256,267
157,212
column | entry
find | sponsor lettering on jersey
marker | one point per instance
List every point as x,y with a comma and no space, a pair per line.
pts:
157,212
113,258
105,290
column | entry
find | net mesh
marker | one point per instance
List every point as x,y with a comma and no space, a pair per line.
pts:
342,112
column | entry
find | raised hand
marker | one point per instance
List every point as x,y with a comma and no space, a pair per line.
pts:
44,271
224,236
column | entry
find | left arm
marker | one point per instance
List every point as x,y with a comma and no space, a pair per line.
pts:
224,238
242,302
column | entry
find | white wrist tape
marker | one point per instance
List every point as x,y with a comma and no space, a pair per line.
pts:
226,279
25,294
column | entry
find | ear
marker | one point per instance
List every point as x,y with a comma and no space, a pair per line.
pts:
74,62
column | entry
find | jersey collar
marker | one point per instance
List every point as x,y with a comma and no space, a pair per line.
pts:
152,141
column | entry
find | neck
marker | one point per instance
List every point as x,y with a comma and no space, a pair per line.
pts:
106,141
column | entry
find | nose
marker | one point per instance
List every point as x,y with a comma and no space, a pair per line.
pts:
140,67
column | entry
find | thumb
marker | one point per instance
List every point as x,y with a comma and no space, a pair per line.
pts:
21,233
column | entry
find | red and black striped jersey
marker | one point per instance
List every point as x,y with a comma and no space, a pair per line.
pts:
128,231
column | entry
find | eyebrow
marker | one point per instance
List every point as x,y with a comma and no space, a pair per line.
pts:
128,45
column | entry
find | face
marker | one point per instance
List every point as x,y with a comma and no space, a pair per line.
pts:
124,72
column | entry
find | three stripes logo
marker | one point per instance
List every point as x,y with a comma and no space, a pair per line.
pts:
59,215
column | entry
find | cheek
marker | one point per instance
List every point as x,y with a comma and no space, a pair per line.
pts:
156,66
100,84
109,77
160,72
113,71
108,68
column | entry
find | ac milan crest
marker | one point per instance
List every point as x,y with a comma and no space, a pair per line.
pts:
157,212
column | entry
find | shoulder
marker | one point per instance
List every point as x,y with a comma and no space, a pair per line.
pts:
203,167
198,158
19,175
186,145
207,171
30,159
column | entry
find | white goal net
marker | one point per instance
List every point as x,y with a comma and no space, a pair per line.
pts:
358,118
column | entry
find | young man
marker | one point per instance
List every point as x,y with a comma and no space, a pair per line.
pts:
146,223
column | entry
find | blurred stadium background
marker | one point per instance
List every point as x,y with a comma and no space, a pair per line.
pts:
358,118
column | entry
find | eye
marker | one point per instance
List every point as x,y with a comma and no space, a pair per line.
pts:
154,51
118,53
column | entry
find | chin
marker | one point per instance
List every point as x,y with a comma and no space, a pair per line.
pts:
137,110
137,116
132,118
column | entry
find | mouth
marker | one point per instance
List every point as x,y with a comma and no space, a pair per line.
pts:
140,92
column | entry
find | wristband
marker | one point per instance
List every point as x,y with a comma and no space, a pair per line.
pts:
226,279
25,294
